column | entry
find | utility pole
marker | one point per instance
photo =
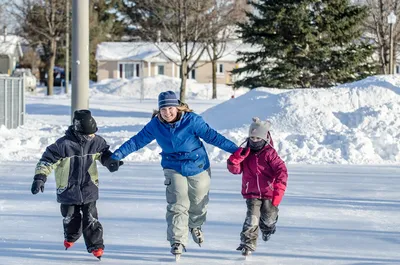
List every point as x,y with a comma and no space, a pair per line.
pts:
80,55
66,81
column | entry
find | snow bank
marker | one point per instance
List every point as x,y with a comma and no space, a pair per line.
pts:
355,123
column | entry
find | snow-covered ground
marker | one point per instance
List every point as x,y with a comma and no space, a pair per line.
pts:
344,209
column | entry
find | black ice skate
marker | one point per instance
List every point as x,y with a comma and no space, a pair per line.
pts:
267,234
245,250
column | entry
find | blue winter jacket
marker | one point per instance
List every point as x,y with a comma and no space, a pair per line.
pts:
182,149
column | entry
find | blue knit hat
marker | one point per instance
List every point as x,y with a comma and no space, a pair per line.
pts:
167,99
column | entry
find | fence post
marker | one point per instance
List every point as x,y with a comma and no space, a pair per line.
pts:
5,104
19,102
12,104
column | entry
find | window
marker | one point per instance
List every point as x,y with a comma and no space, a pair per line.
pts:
160,70
129,70
220,68
193,74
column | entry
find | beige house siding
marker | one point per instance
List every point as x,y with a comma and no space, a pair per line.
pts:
4,64
8,62
107,69
204,73
110,69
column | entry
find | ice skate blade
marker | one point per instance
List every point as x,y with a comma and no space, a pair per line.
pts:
246,256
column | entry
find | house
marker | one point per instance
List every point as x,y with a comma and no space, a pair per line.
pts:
147,59
10,53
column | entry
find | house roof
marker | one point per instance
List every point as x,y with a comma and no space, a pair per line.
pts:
11,43
151,52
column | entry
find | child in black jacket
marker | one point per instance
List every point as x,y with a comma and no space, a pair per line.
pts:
73,158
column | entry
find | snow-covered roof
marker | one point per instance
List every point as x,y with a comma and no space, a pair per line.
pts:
151,52
10,44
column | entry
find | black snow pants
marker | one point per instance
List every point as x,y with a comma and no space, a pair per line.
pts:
261,215
76,223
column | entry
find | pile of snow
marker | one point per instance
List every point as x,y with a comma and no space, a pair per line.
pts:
355,123
150,87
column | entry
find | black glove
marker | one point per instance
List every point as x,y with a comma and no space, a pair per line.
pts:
38,183
113,165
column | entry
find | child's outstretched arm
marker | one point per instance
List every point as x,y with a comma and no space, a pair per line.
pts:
281,176
234,162
50,160
105,157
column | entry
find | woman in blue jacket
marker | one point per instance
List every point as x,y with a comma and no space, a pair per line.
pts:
185,163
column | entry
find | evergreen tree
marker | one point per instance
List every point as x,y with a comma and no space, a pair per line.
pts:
304,43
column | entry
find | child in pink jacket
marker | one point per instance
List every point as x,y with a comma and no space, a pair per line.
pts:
264,177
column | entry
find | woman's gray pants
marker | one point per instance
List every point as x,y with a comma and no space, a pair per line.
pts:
187,199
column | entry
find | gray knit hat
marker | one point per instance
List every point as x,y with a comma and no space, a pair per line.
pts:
260,129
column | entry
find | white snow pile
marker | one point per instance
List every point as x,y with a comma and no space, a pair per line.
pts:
356,123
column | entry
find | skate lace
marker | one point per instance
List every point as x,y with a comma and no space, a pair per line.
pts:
197,231
176,246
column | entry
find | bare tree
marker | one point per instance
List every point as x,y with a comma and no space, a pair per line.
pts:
377,25
42,22
184,23
2,15
224,15
4,19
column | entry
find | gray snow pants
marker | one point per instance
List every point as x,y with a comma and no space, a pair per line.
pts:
187,199
261,215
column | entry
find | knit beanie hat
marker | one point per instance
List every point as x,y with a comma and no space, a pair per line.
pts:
83,122
260,129
167,99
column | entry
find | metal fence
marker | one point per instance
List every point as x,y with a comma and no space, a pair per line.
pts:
12,102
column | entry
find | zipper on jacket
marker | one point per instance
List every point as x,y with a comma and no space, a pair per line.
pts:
258,181
247,186
83,172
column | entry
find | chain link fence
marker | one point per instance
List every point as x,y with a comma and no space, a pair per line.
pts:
12,102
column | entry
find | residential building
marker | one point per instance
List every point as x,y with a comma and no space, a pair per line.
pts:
146,59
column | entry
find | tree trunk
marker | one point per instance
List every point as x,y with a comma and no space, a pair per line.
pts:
50,70
184,75
214,79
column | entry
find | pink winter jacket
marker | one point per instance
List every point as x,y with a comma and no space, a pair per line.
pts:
264,174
